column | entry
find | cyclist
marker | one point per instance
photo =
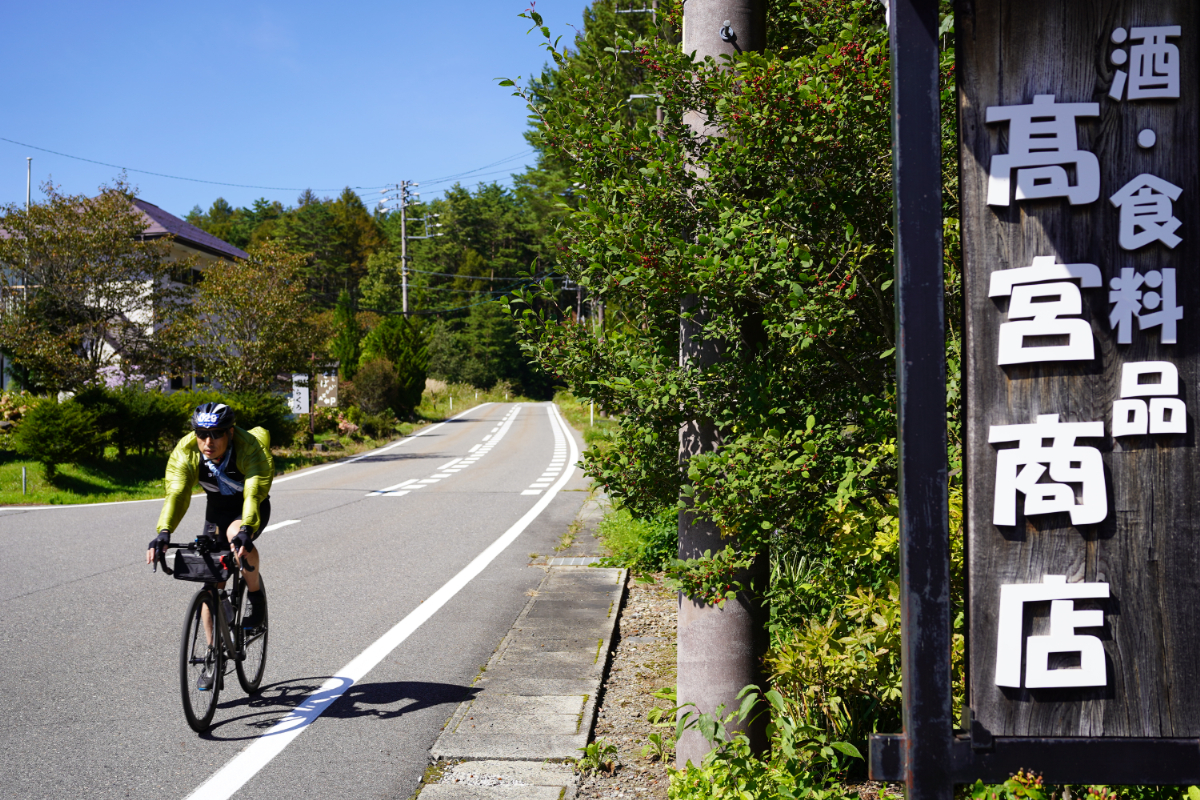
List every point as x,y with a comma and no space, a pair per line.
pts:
235,469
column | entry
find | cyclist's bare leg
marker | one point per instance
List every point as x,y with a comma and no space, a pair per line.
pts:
206,618
251,558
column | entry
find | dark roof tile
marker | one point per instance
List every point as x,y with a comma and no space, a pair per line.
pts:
163,223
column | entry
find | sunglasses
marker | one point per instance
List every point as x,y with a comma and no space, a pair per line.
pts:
205,434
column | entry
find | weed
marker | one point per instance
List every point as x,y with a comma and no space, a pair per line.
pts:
658,748
598,756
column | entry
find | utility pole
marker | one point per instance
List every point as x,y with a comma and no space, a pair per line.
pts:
404,247
28,190
402,196
719,649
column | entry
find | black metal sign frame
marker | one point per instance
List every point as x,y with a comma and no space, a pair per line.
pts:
930,756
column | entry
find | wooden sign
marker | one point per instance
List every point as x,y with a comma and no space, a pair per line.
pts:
1080,192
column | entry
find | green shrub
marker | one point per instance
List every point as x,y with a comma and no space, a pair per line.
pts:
54,433
398,340
376,385
641,545
270,411
134,418
379,426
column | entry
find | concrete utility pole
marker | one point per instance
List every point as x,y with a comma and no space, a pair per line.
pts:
404,197
719,649
404,247
28,191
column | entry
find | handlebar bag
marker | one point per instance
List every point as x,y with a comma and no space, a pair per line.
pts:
203,567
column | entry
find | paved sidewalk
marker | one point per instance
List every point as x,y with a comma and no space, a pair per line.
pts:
536,699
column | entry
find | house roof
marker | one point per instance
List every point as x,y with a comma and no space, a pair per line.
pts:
162,223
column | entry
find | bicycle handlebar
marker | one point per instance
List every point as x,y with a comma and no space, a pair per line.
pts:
160,556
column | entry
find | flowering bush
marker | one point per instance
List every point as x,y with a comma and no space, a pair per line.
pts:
347,428
326,419
13,406
113,377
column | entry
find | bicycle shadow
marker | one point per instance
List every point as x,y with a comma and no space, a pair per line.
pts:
285,700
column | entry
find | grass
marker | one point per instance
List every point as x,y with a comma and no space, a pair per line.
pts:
597,428
445,400
640,545
105,480
140,477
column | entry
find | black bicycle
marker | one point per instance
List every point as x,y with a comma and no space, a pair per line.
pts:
213,635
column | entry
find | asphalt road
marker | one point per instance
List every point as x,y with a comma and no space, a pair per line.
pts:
89,638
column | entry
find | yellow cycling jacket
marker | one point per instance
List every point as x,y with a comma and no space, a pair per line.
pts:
252,454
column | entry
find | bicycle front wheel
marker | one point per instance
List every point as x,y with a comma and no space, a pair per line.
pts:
252,642
200,664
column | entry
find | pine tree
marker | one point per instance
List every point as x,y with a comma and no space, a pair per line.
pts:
346,338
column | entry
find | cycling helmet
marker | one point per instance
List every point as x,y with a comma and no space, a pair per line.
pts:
213,416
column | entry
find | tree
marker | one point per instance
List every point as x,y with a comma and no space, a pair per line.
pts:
338,237
481,348
344,347
489,237
241,227
82,289
401,344
249,323
783,226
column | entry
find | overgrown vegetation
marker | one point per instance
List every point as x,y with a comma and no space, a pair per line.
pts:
781,225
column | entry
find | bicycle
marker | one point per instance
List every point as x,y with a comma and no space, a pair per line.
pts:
205,651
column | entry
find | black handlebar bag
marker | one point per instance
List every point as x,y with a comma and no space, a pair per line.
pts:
202,567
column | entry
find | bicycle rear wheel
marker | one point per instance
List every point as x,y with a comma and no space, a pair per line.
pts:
199,663
252,643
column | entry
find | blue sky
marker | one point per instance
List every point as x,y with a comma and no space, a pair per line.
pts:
266,93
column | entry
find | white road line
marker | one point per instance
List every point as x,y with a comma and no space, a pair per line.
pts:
473,449
409,438
258,753
449,464
379,492
396,494
283,524
532,491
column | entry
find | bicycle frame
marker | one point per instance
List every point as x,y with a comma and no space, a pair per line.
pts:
222,626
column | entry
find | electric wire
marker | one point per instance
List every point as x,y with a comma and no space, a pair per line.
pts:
363,191
172,177
446,178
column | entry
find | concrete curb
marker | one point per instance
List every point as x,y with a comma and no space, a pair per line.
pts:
537,696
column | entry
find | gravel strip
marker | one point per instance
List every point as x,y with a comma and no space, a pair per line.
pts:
644,661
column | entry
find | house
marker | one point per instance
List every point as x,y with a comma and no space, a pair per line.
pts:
188,241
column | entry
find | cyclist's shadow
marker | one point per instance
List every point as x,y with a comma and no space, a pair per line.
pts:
384,700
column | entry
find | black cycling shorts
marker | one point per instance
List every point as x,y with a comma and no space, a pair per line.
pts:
219,519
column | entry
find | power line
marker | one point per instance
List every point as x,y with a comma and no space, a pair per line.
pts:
483,175
364,190
465,277
172,177
446,178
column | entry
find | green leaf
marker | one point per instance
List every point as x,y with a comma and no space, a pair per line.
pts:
847,748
